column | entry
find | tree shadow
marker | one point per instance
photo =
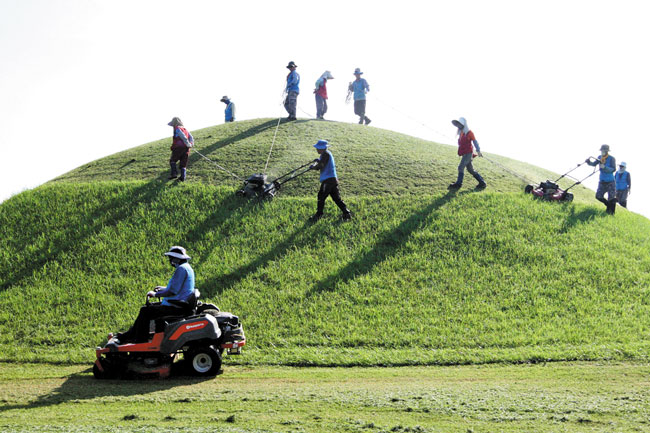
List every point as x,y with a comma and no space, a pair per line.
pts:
388,244
582,217
83,386
108,214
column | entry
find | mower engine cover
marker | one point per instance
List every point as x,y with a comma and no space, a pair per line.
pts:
253,186
549,185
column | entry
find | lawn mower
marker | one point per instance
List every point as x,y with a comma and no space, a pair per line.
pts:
256,185
551,191
200,333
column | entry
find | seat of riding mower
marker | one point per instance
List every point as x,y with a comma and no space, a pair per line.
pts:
185,309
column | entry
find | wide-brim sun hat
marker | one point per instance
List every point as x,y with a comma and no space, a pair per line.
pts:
292,65
357,71
321,144
457,124
224,98
178,252
176,121
605,147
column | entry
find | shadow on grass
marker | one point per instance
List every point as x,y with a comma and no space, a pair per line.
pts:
582,217
206,150
83,386
217,284
388,244
107,214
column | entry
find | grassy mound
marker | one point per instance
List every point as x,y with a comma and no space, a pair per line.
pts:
370,161
423,279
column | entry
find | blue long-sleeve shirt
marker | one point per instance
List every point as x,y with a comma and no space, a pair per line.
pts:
623,180
293,81
180,286
607,172
360,88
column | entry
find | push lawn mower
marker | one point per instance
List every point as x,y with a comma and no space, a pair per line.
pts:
256,185
550,190
200,332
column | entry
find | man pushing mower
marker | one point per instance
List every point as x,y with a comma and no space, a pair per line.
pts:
329,182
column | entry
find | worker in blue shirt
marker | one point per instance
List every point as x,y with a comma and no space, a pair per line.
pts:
359,87
230,109
329,182
292,89
606,183
623,184
178,291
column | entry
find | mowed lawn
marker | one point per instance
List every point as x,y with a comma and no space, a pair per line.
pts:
557,397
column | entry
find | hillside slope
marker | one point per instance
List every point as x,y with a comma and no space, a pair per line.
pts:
423,279
370,161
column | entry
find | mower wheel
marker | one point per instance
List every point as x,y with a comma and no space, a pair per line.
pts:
204,361
528,189
568,197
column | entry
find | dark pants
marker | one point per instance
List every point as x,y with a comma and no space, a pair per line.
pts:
330,187
180,154
360,110
466,163
139,332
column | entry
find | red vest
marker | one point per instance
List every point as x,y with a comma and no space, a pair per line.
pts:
177,141
322,90
465,143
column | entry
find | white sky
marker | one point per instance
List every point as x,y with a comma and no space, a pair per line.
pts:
545,82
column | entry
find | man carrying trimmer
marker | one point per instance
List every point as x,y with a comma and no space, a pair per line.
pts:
329,182
606,183
466,152
292,89
182,141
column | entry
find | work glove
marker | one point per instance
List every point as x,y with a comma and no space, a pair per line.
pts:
480,154
588,159
158,288
151,294
312,167
601,165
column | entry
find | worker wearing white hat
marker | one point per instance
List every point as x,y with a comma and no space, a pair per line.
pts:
623,184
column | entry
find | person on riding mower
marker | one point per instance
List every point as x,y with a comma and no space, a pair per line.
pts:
466,152
329,182
178,290
606,183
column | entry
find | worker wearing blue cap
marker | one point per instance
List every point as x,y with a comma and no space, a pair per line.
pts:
329,182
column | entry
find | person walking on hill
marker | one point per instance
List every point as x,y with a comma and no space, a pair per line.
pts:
359,87
292,89
230,109
182,141
329,182
321,94
606,182
466,139
623,184
176,294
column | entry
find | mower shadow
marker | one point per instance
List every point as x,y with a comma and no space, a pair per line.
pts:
388,244
582,217
83,386
108,214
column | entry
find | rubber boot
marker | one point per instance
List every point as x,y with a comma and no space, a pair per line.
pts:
174,173
481,182
367,120
458,183
183,173
611,206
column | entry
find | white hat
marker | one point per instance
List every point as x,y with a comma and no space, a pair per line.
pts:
178,252
623,164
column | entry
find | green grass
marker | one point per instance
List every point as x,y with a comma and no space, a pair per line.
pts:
584,397
370,161
432,279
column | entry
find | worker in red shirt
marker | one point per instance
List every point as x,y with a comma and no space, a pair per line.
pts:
466,144
182,141
321,94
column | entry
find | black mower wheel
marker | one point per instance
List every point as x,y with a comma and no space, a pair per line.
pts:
568,197
528,189
204,361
